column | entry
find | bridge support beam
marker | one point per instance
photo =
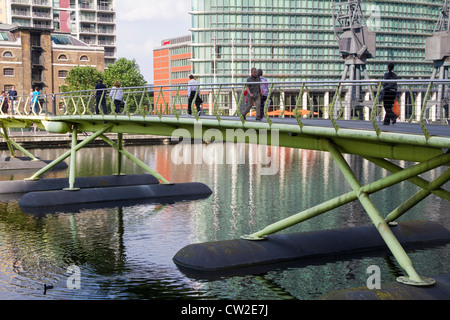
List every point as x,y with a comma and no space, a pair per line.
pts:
140,163
75,147
381,225
73,160
12,144
119,154
362,193
419,196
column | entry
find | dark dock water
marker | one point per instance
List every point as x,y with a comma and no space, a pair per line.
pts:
126,252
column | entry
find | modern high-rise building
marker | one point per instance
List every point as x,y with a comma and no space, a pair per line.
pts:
294,40
91,21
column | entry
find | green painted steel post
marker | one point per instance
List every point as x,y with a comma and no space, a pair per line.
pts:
73,160
11,143
418,181
381,225
68,153
18,146
119,154
5,135
334,203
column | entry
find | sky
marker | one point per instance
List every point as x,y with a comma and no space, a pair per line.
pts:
142,24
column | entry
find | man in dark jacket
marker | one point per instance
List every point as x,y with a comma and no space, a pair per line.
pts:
390,93
254,94
100,96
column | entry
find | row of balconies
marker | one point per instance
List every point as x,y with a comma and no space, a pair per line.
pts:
82,5
94,30
24,13
106,42
84,29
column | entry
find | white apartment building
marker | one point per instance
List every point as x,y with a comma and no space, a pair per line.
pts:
91,21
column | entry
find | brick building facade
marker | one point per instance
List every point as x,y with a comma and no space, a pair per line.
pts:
31,57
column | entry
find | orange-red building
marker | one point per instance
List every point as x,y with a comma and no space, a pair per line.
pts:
172,66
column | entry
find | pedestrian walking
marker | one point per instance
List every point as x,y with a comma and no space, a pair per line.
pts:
389,93
254,94
264,91
193,91
35,100
116,95
12,96
100,97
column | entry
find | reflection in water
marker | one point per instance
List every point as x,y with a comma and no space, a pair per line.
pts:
126,252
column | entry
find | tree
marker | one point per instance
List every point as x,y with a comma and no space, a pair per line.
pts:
82,78
125,71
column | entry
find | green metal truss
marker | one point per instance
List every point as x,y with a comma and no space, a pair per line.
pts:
165,118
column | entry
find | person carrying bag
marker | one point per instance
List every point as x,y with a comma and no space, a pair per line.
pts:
388,95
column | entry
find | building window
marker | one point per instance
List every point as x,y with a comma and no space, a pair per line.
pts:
62,57
62,74
8,72
7,54
84,58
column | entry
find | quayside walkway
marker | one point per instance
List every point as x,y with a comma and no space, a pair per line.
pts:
336,117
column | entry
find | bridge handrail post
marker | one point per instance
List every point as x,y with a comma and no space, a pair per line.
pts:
126,108
141,110
238,107
53,97
424,108
282,101
175,111
216,102
373,114
266,105
17,110
414,104
311,103
113,105
297,104
332,106
160,94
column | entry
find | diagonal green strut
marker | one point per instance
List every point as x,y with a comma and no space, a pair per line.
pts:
69,153
362,193
381,225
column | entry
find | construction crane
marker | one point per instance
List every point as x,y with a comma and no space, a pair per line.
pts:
437,49
356,45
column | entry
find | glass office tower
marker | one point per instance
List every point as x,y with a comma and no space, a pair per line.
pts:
293,40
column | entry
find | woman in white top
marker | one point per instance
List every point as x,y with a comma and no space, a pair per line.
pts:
116,94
